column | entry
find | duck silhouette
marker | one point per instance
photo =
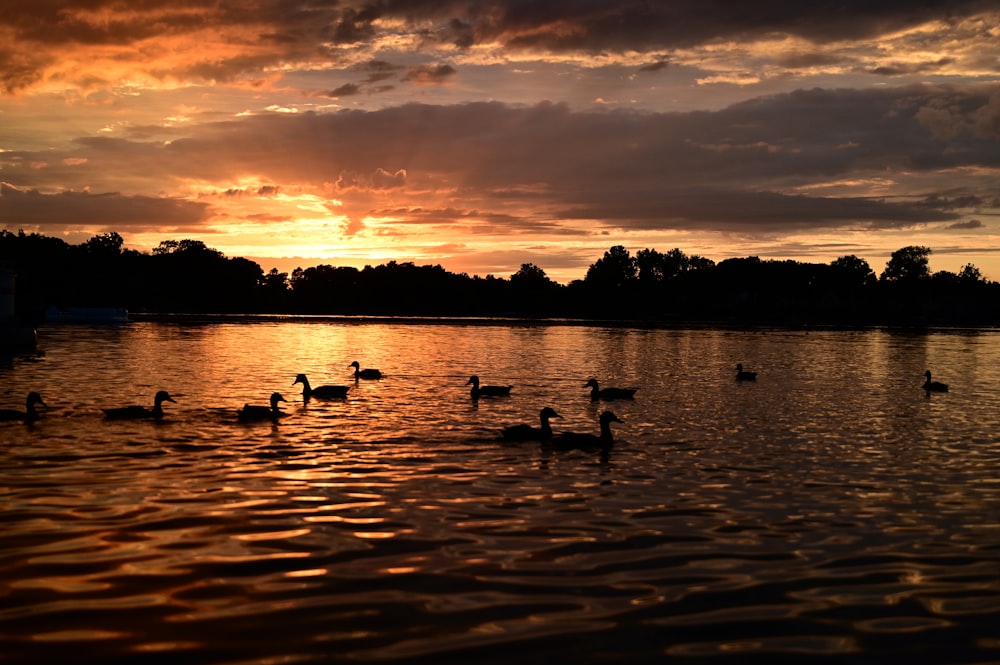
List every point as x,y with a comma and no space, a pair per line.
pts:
744,376
525,432
596,392
320,392
486,391
365,373
934,386
30,413
586,441
253,412
140,412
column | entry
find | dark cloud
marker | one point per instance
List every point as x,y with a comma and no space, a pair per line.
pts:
642,25
655,66
807,60
946,202
20,69
379,70
904,69
258,35
429,75
749,166
746,211
30,208
965,226
346,90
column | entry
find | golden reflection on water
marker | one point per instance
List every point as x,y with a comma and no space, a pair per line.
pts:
826,507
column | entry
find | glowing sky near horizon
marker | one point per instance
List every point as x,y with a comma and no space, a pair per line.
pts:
484,135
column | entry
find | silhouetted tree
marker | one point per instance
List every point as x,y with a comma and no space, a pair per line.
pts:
615,269
530,276
273,292
188,276
324,288
970,274
654,266
851,272
531,291
907,264
104,245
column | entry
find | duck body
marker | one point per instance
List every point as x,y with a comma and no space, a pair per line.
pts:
742,375
486,391
255,413
934,386
320,392
366,373
525,432
596,392
30,413
140,412
586,441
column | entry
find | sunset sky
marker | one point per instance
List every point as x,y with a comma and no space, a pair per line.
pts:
484,135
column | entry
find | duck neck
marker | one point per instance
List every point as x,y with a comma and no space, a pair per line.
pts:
607,439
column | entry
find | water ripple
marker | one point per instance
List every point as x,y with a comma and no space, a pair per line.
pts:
784,521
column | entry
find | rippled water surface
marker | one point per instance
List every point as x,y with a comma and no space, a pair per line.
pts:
832,511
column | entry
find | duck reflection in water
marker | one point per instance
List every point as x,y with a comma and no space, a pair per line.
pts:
319,392
366,373
140,412
586,441
524,432
486,391
596,392
256,413
30,413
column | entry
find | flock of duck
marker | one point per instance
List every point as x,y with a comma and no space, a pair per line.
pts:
520,432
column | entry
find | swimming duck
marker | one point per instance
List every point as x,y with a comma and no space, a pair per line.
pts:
524,432
744,376
596,392
30,413
140,412
319,392
252,412
587,441
486,391
365,373
934,386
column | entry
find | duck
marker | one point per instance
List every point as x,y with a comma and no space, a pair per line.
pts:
365,373
744,376
596,392
140,412
486,391
587,441
253,412
525,432
320,392
30,413
934,386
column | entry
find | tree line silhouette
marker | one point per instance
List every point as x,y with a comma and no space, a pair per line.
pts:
186,276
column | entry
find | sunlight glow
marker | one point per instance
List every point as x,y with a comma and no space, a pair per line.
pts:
482,140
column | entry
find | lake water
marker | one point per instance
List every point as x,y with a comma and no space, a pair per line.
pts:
831,511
